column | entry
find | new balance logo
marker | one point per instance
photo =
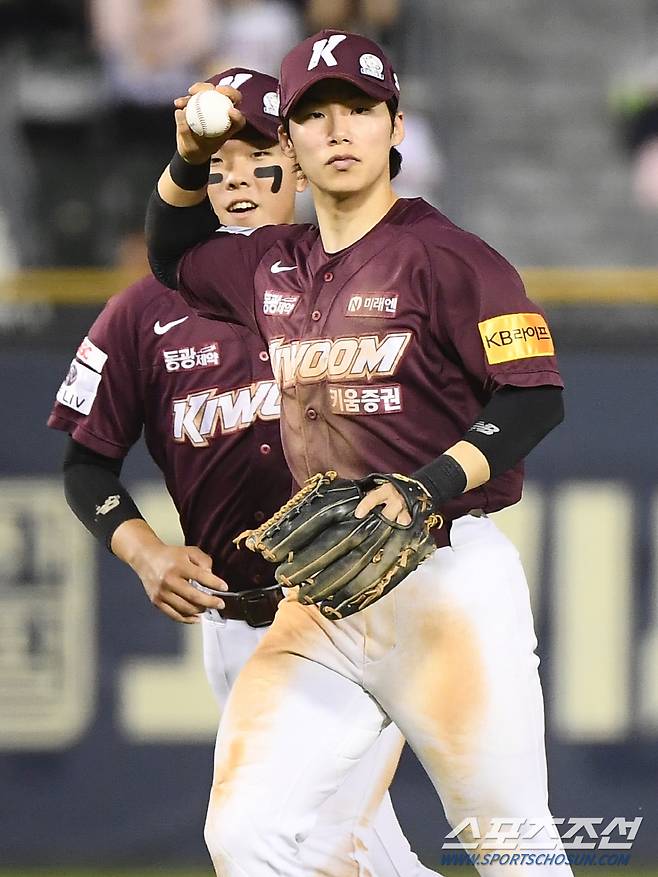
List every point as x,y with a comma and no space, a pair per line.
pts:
485,428
323,51
110,503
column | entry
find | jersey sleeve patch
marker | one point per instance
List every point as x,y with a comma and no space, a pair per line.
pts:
91,355
79,388
515,336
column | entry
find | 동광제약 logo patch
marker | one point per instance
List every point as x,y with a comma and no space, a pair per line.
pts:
279,304
189,358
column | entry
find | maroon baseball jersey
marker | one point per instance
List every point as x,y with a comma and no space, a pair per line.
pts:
386,351
204,394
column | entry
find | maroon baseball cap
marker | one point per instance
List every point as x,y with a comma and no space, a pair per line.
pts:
332,54
260,98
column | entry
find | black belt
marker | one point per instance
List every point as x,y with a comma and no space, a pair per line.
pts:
256,606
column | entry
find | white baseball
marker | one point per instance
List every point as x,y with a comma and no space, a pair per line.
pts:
207,113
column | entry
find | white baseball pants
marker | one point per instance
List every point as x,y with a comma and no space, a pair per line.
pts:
448,656
357,823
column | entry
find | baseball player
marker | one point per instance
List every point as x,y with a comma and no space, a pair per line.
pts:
406,345
204,395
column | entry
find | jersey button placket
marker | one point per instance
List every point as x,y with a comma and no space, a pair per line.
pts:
329,287
316,315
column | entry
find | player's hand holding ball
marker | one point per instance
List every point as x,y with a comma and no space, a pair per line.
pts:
205,119
207,113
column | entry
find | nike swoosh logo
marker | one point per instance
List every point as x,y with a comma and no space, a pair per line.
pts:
160,330
277,268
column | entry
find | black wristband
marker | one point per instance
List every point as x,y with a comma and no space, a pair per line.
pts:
444,479
190,177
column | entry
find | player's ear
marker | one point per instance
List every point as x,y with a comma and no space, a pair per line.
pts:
302,181
397,134
286,144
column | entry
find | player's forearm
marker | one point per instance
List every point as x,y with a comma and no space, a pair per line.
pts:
94,492
183,184
168,573
512,423
171,231
473,462
132,539
178,215
462,467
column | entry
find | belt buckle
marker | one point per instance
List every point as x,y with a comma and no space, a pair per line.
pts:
258,611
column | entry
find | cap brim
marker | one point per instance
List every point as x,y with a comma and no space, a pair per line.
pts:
375,90
261,130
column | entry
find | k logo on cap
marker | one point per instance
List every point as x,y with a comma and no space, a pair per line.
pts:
236,81
334,55
259,103
323,51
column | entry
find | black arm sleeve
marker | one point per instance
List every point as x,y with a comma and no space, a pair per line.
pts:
94,493
170,231
513,422
510,425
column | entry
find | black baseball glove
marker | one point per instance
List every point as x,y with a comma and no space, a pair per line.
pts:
342,563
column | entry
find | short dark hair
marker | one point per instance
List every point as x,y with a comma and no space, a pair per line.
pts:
394,156
394,162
